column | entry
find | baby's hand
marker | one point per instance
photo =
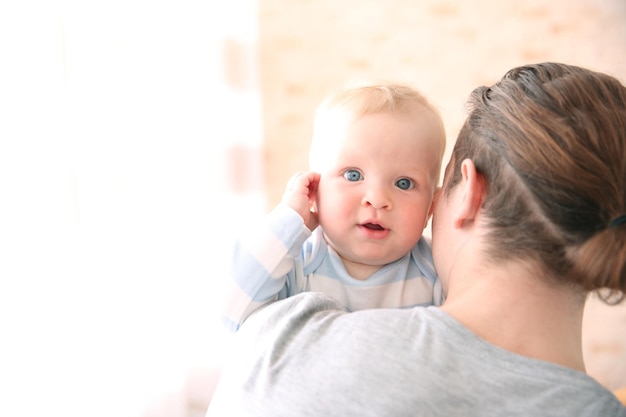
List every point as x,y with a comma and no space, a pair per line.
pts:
301,194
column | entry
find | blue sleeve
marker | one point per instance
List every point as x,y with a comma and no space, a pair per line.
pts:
262,262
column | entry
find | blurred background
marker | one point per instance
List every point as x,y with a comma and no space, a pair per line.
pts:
138,138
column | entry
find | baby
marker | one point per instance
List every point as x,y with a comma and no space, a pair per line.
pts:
352,226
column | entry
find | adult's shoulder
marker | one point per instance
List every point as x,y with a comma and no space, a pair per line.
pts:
318,317
292,312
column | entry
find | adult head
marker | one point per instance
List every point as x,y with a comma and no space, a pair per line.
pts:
378,149
548,143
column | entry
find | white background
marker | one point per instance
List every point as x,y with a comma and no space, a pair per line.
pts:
116,209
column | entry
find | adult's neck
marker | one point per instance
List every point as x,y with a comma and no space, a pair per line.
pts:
512,307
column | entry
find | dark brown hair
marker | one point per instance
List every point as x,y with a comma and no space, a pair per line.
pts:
550,141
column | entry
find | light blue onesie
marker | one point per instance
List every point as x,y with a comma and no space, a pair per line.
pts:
281,258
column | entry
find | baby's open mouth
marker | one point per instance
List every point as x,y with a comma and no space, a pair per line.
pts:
373,226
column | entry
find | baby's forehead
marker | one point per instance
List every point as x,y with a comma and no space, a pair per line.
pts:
338,127
339,119
345,139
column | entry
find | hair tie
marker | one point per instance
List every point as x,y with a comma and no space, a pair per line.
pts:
619,220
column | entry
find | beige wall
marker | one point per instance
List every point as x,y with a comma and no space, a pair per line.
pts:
444,48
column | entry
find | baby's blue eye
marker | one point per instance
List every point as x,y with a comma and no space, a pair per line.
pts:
404,183
352,175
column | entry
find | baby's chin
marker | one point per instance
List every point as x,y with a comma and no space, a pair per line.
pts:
371,258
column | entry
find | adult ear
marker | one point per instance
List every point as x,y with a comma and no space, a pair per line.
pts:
472,189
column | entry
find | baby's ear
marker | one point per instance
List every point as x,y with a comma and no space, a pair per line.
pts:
432,206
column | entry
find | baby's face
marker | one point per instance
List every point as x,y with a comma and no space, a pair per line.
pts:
376,188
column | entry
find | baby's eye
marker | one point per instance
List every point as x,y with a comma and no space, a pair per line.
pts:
352,175
404,184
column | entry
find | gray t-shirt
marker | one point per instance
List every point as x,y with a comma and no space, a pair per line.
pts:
305,356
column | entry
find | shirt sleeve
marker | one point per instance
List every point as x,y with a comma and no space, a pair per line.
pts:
262,261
